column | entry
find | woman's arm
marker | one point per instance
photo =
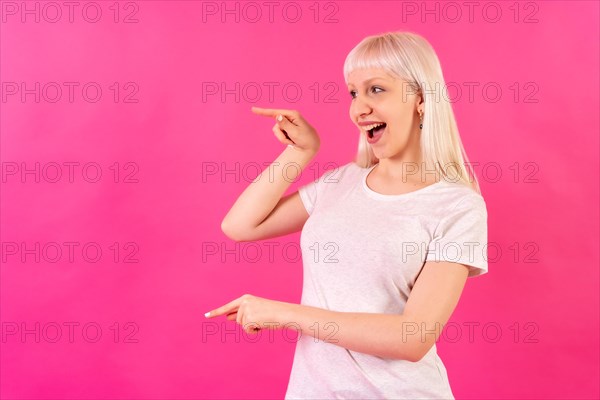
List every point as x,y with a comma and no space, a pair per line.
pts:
259,199
408,336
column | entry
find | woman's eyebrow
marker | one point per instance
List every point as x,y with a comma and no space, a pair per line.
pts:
365,83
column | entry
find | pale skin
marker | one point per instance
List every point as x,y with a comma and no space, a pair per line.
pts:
261,213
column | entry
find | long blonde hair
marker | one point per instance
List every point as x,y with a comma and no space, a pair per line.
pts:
410,57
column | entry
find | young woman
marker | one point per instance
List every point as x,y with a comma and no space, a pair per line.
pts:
388,240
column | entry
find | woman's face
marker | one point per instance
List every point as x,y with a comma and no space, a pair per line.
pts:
380,97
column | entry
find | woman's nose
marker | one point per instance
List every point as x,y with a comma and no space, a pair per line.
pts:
360,107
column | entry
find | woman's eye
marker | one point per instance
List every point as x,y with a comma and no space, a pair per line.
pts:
373,89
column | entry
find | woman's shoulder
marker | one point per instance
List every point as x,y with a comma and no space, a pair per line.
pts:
459,193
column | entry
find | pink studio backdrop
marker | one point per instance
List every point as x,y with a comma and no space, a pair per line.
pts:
126,136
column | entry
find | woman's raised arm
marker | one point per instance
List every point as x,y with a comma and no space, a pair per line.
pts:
260,212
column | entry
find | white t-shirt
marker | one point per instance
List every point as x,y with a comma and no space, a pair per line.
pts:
362,252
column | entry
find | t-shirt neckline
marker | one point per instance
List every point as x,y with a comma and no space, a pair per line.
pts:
381,196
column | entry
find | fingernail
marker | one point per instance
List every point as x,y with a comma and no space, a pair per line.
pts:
290,145
207,314
280,118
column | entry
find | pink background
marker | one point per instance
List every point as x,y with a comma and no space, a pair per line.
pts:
541,292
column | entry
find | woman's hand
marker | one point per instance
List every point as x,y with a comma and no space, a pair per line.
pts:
291,129
254,313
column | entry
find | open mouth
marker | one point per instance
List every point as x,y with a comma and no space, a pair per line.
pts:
376,129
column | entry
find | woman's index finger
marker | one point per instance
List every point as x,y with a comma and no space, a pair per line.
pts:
225,309
274,112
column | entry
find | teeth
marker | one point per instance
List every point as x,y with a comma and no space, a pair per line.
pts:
369,127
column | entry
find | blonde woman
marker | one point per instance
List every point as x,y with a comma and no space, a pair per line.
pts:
388,240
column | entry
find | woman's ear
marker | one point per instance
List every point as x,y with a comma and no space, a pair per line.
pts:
420,101
420,108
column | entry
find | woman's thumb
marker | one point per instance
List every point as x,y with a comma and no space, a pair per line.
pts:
281,120
283,123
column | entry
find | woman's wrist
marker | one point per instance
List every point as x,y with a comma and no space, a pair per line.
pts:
288,317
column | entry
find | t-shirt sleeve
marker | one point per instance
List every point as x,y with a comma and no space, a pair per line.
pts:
461,236
311,192
308,195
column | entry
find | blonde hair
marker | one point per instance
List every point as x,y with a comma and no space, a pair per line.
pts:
410,57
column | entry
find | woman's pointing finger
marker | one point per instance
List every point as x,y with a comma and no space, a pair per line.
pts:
273,112
226,309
